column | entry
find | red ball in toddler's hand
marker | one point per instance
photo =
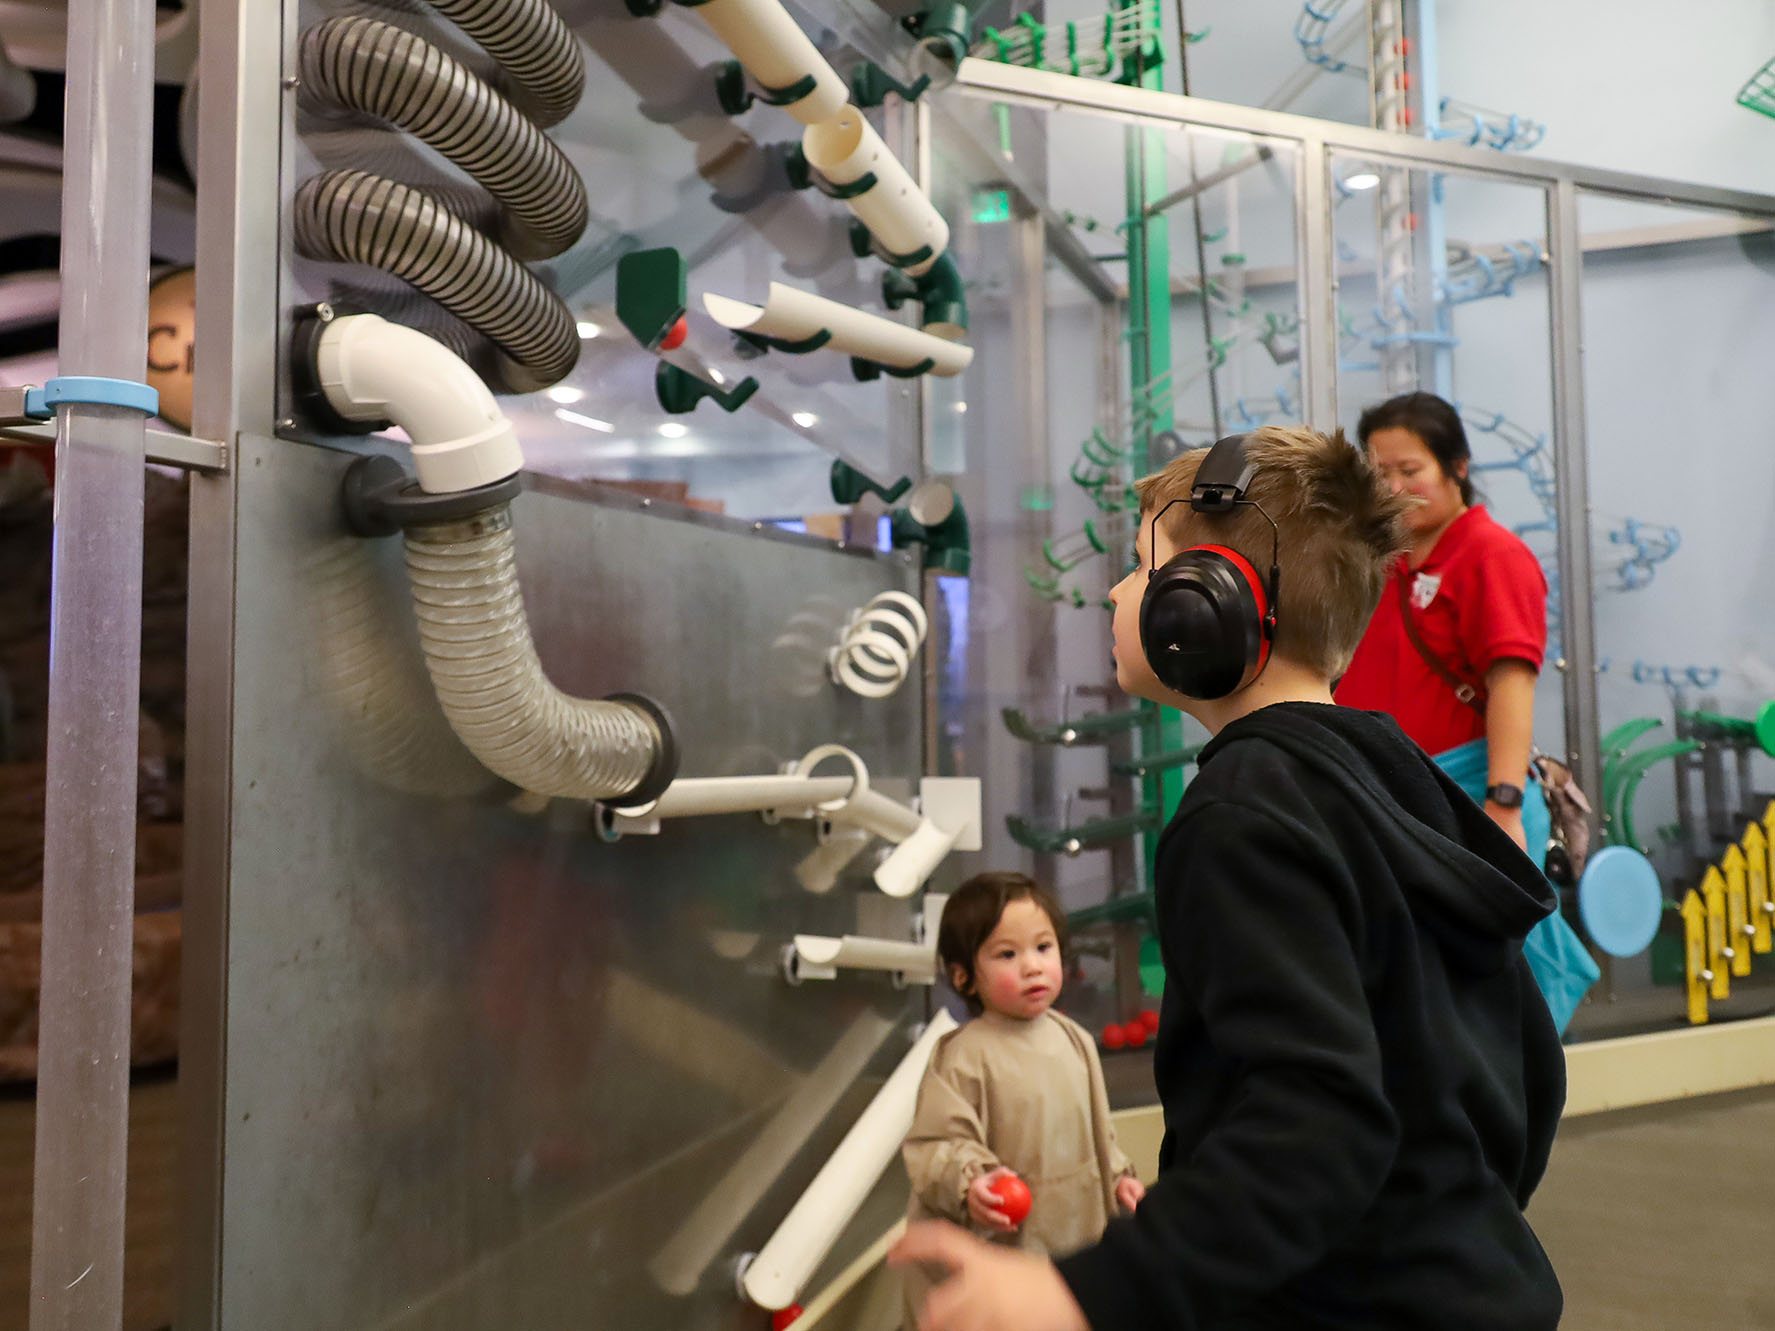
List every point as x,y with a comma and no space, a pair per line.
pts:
1013,1197
783,1316
1112,1036
675,335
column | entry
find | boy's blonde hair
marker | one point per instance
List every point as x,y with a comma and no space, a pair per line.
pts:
1339,530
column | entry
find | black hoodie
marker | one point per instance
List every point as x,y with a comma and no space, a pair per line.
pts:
1359,1077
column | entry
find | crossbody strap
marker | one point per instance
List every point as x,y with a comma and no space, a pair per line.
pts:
1464,691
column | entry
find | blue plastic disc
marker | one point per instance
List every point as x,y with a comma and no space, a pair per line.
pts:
1620,901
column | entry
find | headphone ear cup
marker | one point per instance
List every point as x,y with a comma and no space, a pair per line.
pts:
1201,625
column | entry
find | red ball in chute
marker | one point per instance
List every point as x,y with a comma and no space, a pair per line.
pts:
783,1316
676,334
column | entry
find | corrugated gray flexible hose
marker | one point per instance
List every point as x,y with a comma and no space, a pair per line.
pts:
492,687
355,217
367,65
534,48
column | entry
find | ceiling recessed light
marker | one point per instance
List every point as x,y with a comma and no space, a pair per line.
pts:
590,422
588,330
961,408
1362,180
673,430
565,393
805,419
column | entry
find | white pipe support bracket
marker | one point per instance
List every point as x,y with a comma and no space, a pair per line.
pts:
374,370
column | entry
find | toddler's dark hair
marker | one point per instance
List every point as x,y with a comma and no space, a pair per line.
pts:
972,913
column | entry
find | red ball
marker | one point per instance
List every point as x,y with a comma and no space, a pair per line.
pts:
1150,1020
675,335
1013,1197
783,1316
1112,1036
1135,1034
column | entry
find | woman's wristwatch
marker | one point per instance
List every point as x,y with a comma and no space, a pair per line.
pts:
1504,795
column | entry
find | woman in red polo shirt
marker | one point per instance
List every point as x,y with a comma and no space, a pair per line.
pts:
1455,646
1463,684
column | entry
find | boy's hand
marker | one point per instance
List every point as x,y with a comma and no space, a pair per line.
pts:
983,1203
989,1288
1129,1191
1510,820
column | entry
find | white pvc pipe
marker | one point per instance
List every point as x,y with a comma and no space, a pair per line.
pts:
372,370
693,797
916,961
776,1275
706,1230
914,859
777,53
846,148
794,315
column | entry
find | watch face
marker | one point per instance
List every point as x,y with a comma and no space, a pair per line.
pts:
1505,796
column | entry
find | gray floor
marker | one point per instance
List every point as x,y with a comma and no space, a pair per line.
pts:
1663,1219
1659,1219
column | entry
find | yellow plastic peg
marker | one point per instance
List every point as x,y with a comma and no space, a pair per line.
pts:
1695,972
1713,895
1756,891
1738,930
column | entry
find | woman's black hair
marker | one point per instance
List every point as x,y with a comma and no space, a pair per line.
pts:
1430,419
972,913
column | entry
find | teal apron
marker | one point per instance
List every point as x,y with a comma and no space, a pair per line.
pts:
1562,965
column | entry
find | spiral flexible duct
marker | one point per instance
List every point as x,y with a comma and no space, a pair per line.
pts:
492,687
355,217
381,70
423,237
533,47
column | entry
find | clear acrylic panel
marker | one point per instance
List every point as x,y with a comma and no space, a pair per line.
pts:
1677,405
1442,286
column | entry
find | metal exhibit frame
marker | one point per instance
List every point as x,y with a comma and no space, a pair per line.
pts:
244,142
1315,141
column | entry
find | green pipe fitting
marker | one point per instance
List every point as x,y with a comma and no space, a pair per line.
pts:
938,290
1088,835
1758,730
947,545
944,29
1099,727
679,390
849,485
1138,907
870,85
1158,762
1628,776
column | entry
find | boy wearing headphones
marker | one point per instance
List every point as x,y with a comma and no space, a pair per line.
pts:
1359,1077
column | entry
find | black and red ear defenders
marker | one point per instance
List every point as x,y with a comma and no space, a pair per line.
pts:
1207,619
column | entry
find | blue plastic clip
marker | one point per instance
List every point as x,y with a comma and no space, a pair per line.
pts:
90,390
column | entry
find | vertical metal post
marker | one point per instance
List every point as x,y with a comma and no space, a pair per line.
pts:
1571,467
242,137
1029,348
1318,296
94,680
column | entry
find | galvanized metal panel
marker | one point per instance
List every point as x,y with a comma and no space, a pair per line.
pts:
481,1065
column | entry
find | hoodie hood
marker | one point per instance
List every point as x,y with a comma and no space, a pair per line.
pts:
1463,877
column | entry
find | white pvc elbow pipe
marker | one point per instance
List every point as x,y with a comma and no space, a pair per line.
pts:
776,1275
373,370
464,576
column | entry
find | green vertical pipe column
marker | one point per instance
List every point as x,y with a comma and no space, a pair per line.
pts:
1149,361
